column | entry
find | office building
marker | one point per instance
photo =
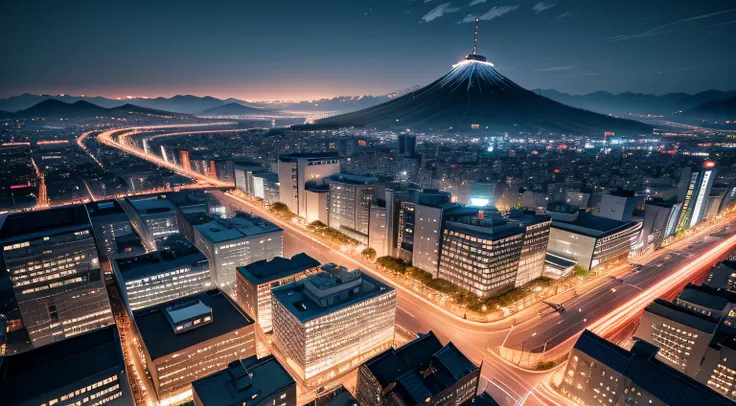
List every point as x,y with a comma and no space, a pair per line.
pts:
592,240
331,322
317,202
244,170
251,381
709,301
338,397
481,254
422,371
240,240
695,197
184,160
254,283
620,205
109,221
296,170
157,214
534,249
378,228
266,186
190,338
681,334
660,223
557,267
718,367
176,270
350,200
723,276
600,372
407,144
84,370
52,261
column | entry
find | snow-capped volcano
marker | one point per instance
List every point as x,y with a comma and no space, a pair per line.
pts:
474,92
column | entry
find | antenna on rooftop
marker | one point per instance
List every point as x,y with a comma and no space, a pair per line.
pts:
475,37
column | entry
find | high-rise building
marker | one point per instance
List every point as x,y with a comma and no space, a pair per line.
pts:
157,214
422,371
296,170
109,222
317,203
254,283
407,144
240,240
600,372
378,228
332,321
350,200
184,160
52,261
695,199
176,270
592,240
84,370
681,334
534,249
190,338
660,222
266,186
481,254
244,173
250,381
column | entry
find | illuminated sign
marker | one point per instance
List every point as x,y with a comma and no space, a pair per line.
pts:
556,170
476,201
709,164
701,199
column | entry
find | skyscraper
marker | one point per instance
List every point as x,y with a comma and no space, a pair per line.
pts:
296,170
52,260
407,144
349,204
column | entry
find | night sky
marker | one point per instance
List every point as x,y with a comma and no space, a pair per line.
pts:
303,49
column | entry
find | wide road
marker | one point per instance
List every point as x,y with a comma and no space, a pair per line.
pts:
612,305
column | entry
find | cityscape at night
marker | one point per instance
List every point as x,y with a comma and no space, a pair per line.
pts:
368,203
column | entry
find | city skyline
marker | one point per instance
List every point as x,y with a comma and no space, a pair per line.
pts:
333,49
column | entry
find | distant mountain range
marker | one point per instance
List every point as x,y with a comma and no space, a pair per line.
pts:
52,108
715,110
235,109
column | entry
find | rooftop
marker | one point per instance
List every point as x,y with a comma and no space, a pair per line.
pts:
161,340
172,254
420,369
683,315
594,226
559,261
327,292
264,271
153,205
293,157
665,383
242,380
338,397
721,274
22,226
241,226
349,179
486,228
707,296
105,208
57,365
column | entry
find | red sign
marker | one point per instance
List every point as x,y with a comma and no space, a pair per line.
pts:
556,170
709,164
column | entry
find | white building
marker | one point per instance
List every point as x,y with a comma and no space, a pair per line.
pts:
296,170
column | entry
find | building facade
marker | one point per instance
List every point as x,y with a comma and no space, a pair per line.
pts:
350,200
296,170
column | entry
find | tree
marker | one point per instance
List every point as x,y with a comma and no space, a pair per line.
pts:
281,210
369,253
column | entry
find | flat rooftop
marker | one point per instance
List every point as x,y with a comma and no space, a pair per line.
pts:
22,226
159,338
174,253
308,156
683,315
57,365
296,299
153,205
338,397
487,228
350,179
594,226
707,296
264,271
105,208
240,226
242,380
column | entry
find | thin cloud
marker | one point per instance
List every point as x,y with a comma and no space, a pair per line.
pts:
660,30
439,11
541,6
557,68
586,75
563,15
661,71
476,2
495,12
722,24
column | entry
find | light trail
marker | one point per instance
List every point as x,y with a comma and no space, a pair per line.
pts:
80,144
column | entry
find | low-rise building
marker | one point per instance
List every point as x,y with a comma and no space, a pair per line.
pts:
330,322
723,276
709,301
718,367
187,339
158,215
251,381
681,334
423,371
266,186
599,372
176,270
254,283
338,397
88,369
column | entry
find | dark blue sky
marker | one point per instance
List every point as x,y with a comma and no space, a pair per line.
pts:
275,49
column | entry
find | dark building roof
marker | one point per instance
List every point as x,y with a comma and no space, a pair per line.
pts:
160,339
665,383
57,365
683,315
104,208
264,271
707,296
350,179
174,252
308,155
484,399
338,397
243,379
594,226
421,369
559,261
25,225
